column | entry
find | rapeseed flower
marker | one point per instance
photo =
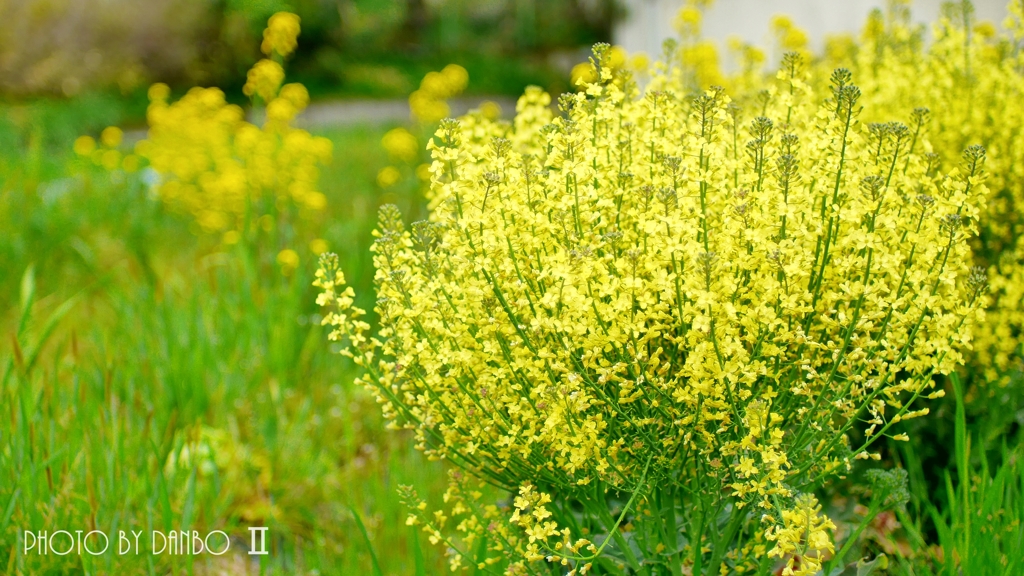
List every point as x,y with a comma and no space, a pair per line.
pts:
84,145
111,136
281,35
224,170
401,145
429,104
963,87
678,300
264,79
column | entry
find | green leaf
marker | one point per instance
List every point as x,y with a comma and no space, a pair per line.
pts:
881,562
862,567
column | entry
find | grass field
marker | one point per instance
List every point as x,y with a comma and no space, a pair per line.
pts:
154,380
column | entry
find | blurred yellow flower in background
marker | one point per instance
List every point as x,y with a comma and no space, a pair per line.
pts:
288,259
423,172
84,145
263,79
490,109
281,34
111,136
640,62
456,78
130,163
429,103
388,176
789,36
401,144
318,246
583,73
222,169
688,21
159,91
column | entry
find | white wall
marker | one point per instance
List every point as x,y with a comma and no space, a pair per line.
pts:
649,22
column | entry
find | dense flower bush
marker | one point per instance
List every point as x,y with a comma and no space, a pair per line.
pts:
662,317
963,87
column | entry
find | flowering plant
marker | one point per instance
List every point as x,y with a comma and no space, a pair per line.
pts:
964,87
237,180
660,319
231,175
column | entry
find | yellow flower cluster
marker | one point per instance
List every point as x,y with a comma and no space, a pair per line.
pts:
281,35
403,148
107,154
223,170
802,537
586,72
789,37
999,355
699,57
966,86
401,145
687,296
429,103
263,79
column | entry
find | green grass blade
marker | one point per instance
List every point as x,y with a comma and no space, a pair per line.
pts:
946,539
417,553
481,555
962,447
9,511
48,328
369,545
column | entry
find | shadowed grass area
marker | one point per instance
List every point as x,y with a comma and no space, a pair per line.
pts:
153,379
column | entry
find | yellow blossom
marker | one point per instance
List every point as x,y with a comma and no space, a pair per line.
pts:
263,80
221,169
388,176
111,136
318,246
288,259
401,144
281,34
84,145
722,286
429,103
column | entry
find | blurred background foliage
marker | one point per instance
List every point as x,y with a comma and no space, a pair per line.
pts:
372,48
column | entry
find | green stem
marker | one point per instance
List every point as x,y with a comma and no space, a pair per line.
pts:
736,520
838,558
